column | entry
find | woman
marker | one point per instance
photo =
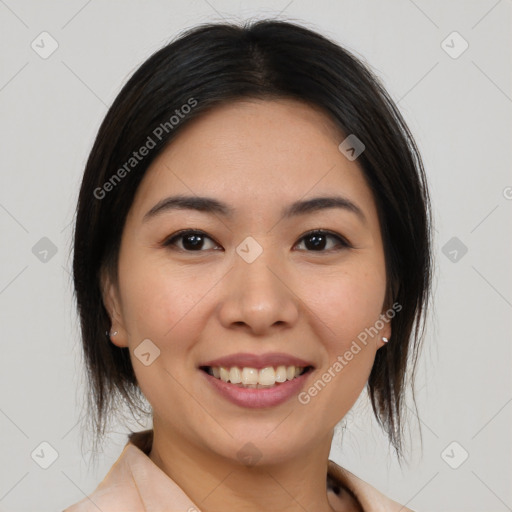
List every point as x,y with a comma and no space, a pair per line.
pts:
253,238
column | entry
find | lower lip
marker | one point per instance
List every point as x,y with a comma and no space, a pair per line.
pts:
258,398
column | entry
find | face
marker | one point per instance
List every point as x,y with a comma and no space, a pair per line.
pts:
254,279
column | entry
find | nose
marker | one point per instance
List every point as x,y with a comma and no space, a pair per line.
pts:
258,297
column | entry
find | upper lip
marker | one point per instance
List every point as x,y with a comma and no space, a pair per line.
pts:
244,359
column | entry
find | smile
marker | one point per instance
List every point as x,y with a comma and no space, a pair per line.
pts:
254,378
267,387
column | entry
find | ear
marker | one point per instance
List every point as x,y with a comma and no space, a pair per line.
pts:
112,302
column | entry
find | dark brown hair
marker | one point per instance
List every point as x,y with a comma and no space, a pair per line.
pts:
214,64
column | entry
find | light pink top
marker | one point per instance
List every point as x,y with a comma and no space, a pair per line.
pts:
136,484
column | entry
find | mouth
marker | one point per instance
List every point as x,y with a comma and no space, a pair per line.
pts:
254,378
254,388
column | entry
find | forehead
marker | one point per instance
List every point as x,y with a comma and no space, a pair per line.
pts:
255,153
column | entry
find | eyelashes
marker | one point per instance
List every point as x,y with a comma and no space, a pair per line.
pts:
321,234
195,240
187,233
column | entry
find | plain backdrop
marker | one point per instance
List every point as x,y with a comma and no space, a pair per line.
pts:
458,104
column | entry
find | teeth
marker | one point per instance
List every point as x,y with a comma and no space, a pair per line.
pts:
267,376
281,374
224,374
235,376
251,377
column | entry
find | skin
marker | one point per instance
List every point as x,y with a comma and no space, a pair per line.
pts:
257,156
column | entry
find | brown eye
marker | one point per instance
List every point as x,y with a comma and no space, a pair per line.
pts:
318,241
191,240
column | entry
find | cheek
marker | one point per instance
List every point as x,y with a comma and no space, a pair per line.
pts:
163,306
347,302
345,307
159,299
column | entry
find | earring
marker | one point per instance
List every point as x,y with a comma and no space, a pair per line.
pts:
384,339
108,333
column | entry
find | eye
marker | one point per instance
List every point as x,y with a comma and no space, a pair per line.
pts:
193,240
317,240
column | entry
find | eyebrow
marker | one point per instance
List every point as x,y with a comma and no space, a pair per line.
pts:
213,206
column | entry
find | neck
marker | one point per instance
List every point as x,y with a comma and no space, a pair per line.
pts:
216,483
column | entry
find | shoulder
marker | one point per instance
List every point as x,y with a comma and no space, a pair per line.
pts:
368,497
135,483
116,492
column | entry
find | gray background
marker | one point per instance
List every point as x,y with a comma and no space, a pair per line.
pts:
459,110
